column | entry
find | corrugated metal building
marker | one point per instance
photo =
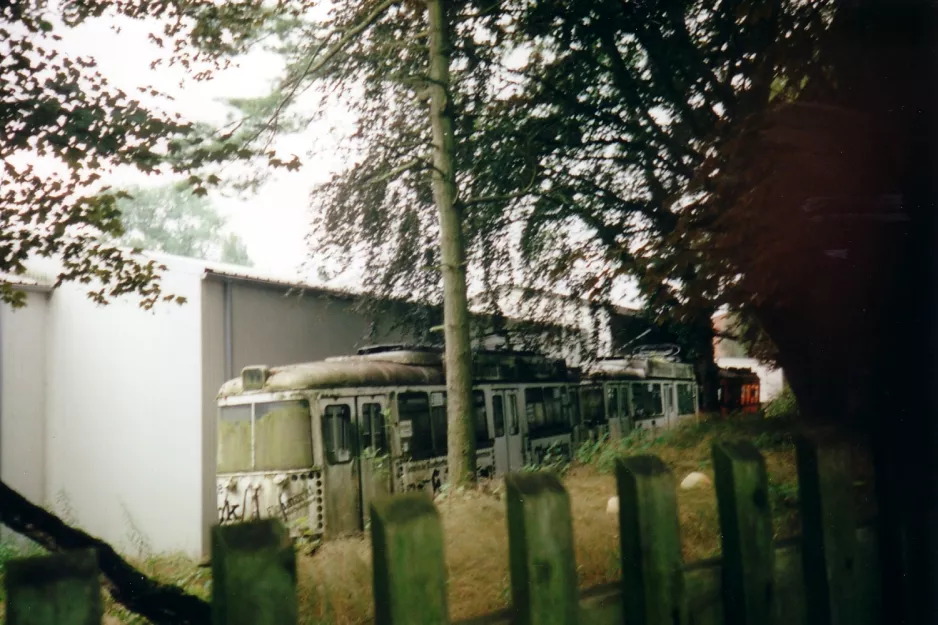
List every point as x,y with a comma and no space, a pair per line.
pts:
107,412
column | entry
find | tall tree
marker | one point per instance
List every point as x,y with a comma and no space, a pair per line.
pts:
174,220
461,431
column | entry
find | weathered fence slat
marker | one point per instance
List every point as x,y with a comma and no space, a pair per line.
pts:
541,554
253,574
746,526
829,532
409,567
59,589
827,576
652,568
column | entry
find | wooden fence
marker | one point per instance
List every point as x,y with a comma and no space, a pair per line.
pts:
828,576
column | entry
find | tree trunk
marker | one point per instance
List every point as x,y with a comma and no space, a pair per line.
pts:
161,604
460,432
706,367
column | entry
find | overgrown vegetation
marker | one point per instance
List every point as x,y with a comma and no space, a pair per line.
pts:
11,548
784,405
334,584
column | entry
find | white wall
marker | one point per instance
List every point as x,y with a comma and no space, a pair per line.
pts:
770,380
124,421
23,396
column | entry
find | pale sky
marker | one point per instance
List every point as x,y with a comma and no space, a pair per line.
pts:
274,222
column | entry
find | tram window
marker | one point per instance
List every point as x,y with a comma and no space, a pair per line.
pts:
534,408
592,402
483,440
572,406
555,414
545,411
283,437
234,439
685,399
438,422
415,407
656,399
646,400
625,410
513,427
498,415
640,401
373,431
337,433
612,402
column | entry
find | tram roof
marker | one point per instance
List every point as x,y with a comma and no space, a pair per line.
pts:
353,372
739,373
639,368
387,366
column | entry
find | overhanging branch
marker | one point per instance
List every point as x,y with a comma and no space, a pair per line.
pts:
417,163
506,197
317,62
162,604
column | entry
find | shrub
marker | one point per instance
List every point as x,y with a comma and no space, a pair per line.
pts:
784,405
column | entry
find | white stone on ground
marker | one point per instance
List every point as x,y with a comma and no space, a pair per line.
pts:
695,479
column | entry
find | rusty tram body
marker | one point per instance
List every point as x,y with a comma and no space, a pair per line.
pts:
314,443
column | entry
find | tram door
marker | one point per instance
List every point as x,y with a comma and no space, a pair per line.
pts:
342,483
668,405
374,462
509,450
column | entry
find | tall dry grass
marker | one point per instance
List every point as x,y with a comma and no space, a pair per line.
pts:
335,586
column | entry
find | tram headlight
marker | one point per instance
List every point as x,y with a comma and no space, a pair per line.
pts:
254,377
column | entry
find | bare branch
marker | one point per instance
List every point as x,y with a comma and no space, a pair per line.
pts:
317,62
507,197
414,164
162,604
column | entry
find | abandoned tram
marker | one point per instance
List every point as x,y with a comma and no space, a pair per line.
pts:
314,443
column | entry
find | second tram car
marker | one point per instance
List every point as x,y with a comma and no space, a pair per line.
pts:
624,393
739,391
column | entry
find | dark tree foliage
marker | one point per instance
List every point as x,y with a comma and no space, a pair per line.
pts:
619,105
63,129
818,216
579,128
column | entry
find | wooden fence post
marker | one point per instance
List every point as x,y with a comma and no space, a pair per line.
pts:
829,532
746,525
652,566
544,585
408,561
60,589
253,574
